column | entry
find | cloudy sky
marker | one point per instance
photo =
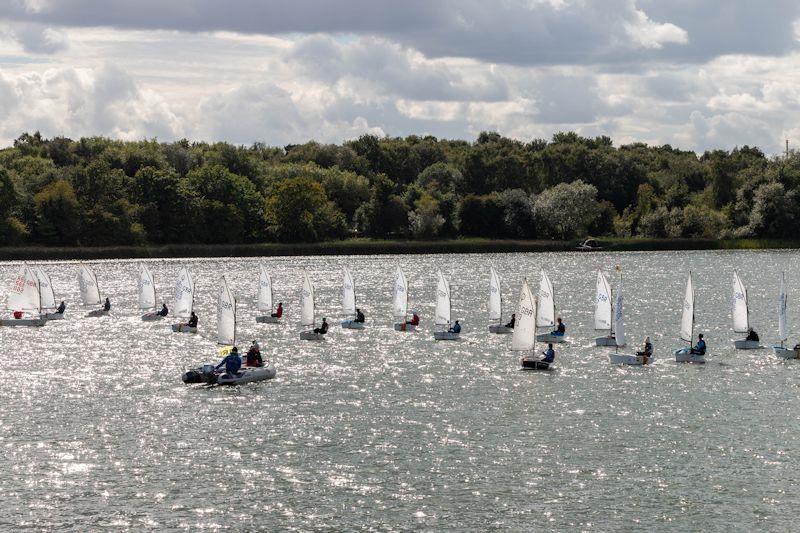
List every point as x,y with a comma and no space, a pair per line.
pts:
696,74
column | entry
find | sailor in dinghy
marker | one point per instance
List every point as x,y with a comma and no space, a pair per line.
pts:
692,354
443,312
349,303
400,304
24,300
639,358
496,305
546,313
307,308
782,351
264,302
741,317
235,373
603,311
147,295
90,292
48,297
184,302
524,336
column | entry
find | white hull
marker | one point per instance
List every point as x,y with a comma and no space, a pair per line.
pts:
684,356
150,317
97,312
183,328
23,322
606,341
785,353
352,324
248,374
53,316
629,359
268,320
311,336
445,335
547,337
500,329
402,326
747,345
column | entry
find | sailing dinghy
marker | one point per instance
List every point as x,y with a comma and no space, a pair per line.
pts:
546,311
147,294
307,311
443,310
496,304
226,336
781,351
349,301
48,297
400,302
603,311
184,301
524,337
615,357
24,299
685,355
741,315
90,291
265,298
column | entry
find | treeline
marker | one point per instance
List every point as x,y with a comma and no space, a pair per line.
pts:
101,192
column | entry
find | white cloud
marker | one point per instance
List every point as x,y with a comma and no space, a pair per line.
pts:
648,34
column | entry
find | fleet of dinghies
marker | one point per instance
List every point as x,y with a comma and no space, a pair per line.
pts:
31,300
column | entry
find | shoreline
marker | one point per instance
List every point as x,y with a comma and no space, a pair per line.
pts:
378,247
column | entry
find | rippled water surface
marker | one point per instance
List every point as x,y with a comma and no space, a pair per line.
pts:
389,431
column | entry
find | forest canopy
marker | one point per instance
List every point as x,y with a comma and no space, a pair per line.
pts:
98,191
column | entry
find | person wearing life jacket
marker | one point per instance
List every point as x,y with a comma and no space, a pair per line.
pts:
647,351
511,322
560,330
549,354
61,308
323,328
107,305
192,321
700,347
360,316
752,335
278,312
456,328
164,310
253,357
232,362
414,320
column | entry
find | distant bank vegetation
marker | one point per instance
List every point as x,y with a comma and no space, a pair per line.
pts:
101,192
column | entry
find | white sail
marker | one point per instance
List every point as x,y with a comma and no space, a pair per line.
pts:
348,293
23,295
782,311
495,297
619,330
226,315
400,295
264,291
687,318
442,301
524,336
602,303
184,293
307,302
48,297
740,318
90,292
147,288
546,309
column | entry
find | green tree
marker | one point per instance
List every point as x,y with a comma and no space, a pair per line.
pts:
58,214
567,210
425,221
299,211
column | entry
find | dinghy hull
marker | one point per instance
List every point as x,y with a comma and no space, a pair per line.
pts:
151,317
606,341
785,353
352,324
97,312
747,345
268,320
248,374
311,336
23,322
445,336
684,355
53,316
183,328
405,327
629,359
549,338
500,329
534,364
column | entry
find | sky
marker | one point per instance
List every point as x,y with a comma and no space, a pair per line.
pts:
694,74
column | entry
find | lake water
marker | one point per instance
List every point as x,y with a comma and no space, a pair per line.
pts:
388,431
